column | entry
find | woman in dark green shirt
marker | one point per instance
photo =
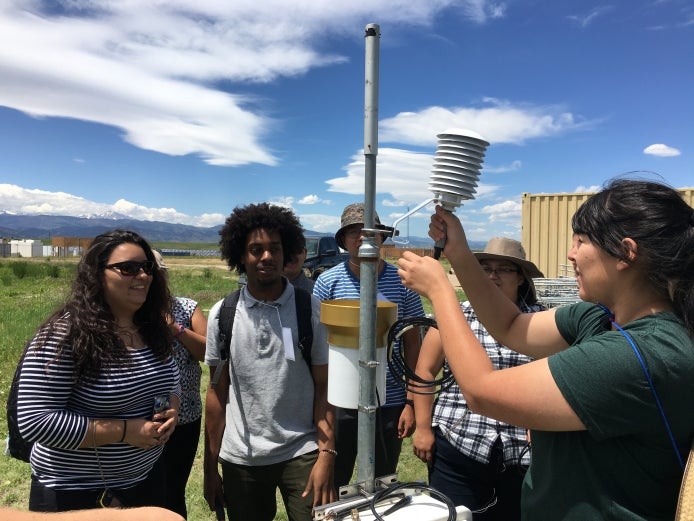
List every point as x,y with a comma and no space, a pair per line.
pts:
601,449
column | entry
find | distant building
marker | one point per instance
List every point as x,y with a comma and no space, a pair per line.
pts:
26,248
70,246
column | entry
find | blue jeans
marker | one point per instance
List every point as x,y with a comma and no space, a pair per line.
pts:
475,485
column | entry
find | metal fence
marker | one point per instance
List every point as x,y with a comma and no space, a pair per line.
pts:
554,293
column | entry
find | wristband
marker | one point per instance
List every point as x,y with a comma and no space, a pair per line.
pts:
410,403
125,430
329,451
179,331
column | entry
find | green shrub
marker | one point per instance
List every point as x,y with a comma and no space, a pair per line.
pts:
20,269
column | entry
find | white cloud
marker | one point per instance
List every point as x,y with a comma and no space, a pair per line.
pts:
505,211
15,199
587,189
286,201
150,68
312,199
319,222
499,121
403,175
661,150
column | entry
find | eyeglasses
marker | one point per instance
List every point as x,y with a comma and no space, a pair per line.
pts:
500,271
132,268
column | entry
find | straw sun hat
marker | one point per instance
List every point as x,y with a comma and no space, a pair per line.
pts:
501,248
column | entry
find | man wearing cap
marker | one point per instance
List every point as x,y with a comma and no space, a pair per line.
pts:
474,460
395,417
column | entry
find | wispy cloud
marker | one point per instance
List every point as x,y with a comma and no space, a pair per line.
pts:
511,167
585,19
153,69
483,10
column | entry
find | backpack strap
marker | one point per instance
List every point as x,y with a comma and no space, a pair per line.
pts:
227,312
304,311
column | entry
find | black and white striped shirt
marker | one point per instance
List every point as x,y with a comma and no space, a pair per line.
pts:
53,410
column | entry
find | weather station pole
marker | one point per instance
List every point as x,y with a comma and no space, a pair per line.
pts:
399,501
369,256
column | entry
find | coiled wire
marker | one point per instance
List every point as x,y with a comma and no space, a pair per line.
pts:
392,491
397,362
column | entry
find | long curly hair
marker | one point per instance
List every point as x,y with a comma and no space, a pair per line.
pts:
660,222
91,325
244,219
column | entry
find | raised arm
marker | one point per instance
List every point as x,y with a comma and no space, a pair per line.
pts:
533,334
526,395
429,364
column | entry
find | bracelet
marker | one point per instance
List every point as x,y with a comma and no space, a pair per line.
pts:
125,430
179,331
329,451
410,403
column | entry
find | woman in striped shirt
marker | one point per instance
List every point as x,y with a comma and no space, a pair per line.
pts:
90,379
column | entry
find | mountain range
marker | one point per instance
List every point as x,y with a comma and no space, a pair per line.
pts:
25,226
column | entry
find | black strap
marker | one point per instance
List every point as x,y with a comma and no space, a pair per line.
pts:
226,323
227,312
302,301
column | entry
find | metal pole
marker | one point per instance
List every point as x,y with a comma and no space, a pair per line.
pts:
369,257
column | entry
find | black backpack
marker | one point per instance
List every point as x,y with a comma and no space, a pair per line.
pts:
17,447
227,312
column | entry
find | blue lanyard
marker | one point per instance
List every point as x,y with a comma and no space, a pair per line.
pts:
650,381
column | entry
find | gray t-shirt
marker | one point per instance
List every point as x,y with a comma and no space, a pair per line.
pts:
269,414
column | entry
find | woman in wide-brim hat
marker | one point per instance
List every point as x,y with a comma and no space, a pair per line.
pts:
501,248
472,459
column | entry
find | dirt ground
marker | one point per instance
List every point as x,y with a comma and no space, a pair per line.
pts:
453,279
196,262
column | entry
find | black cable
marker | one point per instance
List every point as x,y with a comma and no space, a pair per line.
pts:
388,492
397,361
525,450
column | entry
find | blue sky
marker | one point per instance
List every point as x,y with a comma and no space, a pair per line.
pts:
181,110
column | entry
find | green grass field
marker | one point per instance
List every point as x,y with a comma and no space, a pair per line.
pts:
30,289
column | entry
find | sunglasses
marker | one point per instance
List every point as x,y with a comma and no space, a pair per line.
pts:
132,268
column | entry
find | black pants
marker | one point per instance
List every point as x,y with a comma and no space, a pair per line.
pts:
177,462
149,492
491,490
387,444
250,492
